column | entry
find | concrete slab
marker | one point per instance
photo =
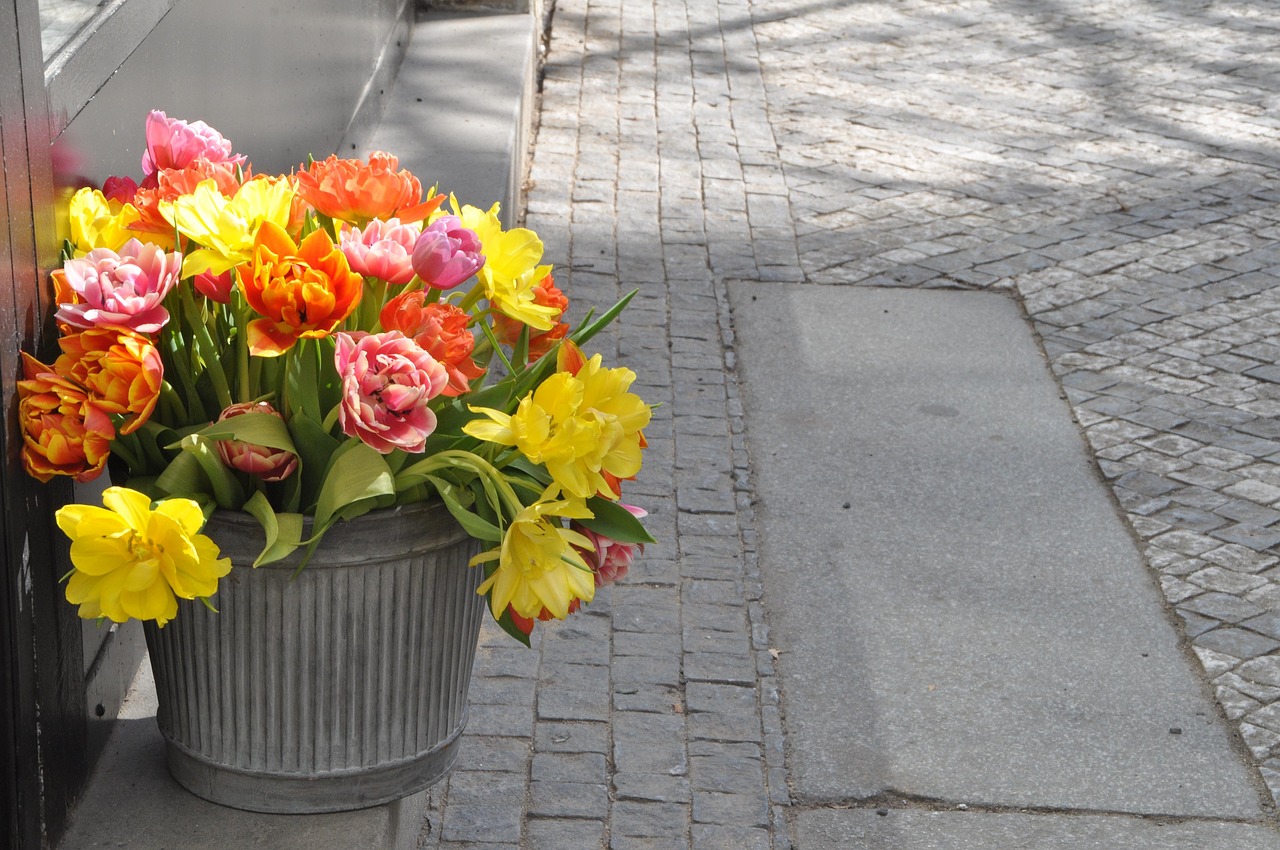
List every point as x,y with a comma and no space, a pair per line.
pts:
131,801
961,613
910,829
460,111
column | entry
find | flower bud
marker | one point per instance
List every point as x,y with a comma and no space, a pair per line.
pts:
265,463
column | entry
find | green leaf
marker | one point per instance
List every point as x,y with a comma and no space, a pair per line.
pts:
283,531
521,353
227,491
358,474
509,626
183,476
615,522
300,381
147,484
261,429
586,332
535,471
472,524
315,448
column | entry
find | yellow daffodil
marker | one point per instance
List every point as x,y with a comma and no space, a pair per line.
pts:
95,222
132,562
585,428
538,567
225,228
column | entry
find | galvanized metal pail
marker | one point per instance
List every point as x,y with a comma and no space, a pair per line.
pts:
339,688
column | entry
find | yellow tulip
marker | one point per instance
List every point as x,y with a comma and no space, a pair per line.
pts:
225,228
133,562
96,222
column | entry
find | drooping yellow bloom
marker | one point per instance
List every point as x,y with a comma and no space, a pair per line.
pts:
226,227
538,567
132,562
585,428
96,222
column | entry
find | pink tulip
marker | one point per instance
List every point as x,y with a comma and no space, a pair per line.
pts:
124,289
611,559
215,287
387,380
174,143
447,253
265,463
383,249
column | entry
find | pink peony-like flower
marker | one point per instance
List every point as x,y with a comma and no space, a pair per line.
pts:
124,289
382,249
447,253
387,380
215,287
174,143
611,559
266,463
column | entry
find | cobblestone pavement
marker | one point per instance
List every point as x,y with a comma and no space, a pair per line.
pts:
1112,164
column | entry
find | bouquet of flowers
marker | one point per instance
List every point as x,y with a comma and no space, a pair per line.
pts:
309,347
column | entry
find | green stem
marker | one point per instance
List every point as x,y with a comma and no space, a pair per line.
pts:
193,407
497,349
208,350
473,297
176,409
455,458
285,399
123,446
240,313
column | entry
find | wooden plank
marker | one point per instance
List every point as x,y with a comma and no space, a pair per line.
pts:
44,729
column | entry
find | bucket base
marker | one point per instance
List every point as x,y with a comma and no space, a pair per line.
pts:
296,794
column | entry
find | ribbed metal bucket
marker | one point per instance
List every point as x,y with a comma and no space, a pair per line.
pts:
341,688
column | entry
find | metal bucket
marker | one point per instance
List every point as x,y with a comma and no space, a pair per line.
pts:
341,688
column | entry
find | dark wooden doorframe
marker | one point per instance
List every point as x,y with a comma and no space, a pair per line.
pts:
42,713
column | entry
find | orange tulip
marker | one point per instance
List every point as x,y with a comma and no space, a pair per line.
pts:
63,432
302,291
356,192
121,370
439,329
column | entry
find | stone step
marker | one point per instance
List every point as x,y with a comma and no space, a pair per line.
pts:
460,113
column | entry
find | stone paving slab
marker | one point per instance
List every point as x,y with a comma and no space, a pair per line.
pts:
1115,165
961,614
908,829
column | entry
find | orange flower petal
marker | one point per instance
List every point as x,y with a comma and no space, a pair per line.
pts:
267,339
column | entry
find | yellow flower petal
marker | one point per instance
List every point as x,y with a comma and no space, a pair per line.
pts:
132,506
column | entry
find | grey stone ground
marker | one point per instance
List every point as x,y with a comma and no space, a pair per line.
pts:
1111,164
